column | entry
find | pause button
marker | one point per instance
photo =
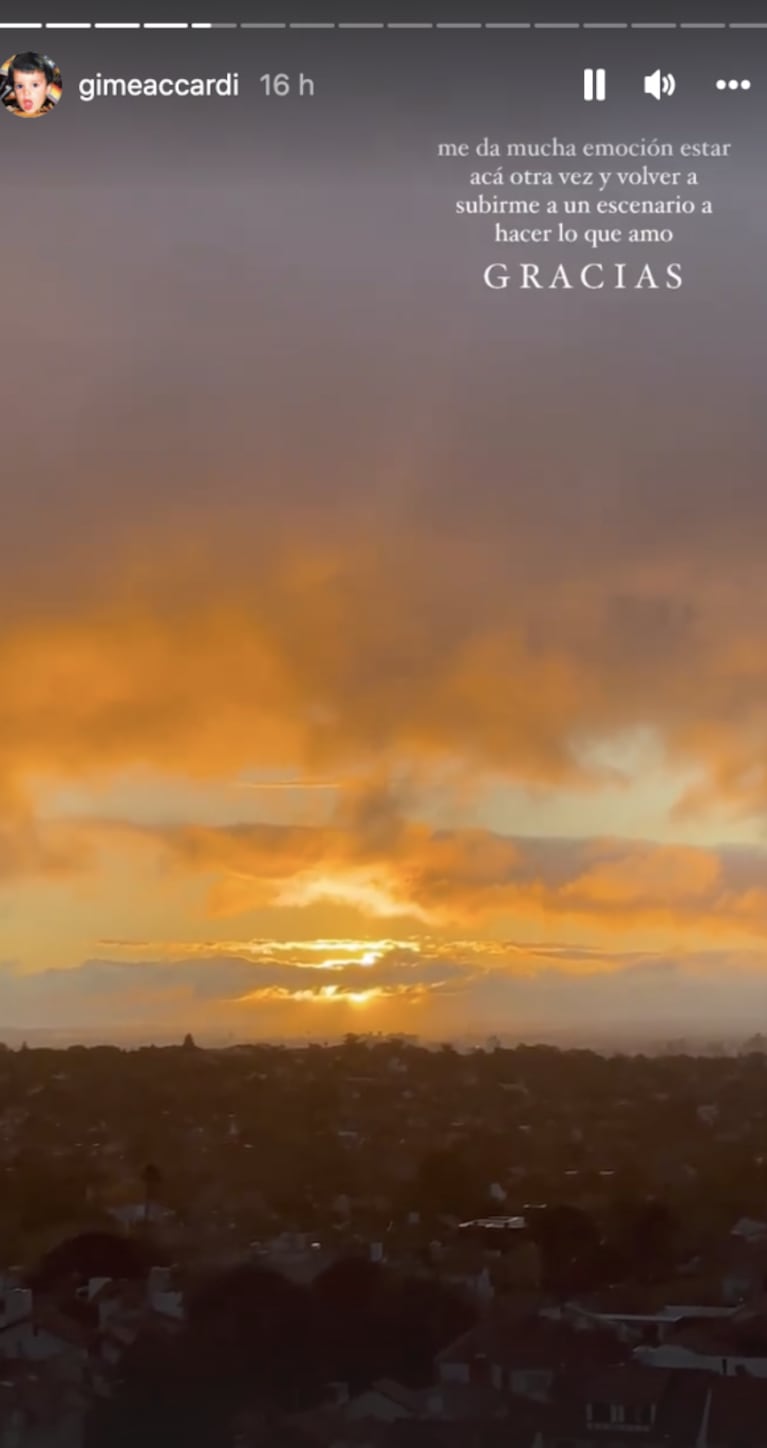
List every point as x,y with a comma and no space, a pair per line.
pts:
593,85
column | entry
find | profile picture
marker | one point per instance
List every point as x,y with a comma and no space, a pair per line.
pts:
30,84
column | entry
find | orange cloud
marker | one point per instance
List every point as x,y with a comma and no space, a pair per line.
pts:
373,853
435,989
390,866
50,851
638,877
328,654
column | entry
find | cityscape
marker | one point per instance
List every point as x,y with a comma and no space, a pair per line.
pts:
378,1243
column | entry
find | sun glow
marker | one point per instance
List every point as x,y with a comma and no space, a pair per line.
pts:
365,892
325,995
353,997
338,962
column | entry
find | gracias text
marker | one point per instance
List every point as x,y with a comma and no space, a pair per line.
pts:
595,276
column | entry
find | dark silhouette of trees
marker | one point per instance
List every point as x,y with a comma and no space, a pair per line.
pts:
570,1245
376,1323
643,1235
256,1335
255,1342
151,1177
96,1254
156,1400
423,1317
351,1285
352,1299
445,1184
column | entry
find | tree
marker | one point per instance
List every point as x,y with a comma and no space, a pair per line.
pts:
421,1317
644,1234
445,1184
376,1323
151,1176
253,1334
96,1254
352,1296
156,1400
569,1242
350,1286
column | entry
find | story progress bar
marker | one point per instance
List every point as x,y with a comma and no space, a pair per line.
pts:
382,25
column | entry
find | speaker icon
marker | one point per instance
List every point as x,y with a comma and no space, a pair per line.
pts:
659,85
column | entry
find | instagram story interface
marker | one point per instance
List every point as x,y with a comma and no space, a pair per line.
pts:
383,726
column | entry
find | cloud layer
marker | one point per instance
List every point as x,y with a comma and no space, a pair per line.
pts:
353,525
423,651
420,986
374,858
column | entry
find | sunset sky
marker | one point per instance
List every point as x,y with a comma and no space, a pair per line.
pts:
376,652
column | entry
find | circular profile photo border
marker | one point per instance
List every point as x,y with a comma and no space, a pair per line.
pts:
30,63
